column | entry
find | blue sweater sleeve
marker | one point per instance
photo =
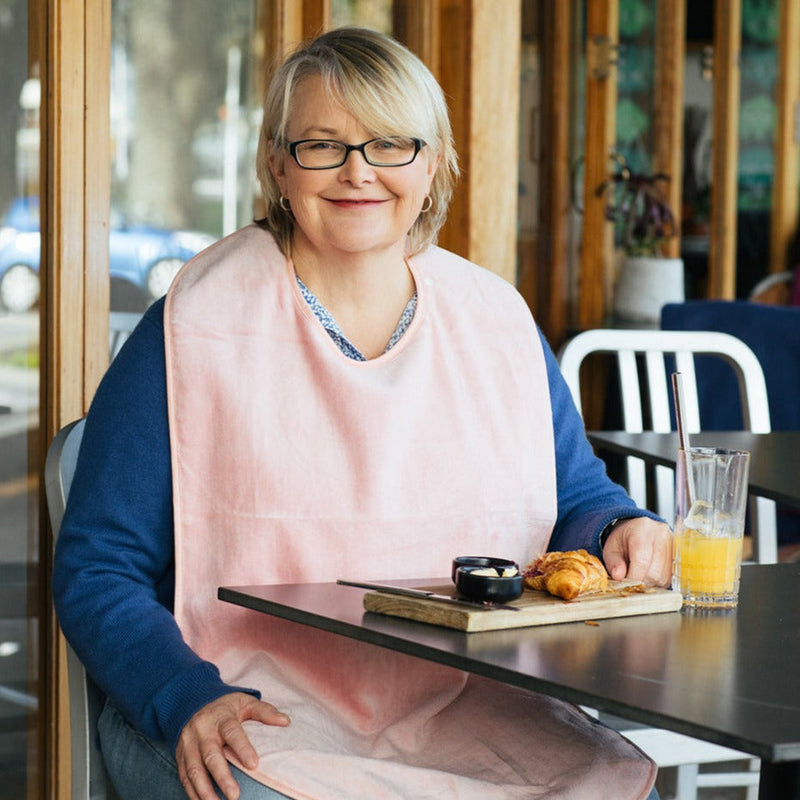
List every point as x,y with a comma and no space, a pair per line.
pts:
113,578
587,498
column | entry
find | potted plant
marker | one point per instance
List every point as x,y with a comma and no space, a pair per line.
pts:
644,222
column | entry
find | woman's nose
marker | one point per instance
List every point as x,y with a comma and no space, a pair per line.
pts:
356,168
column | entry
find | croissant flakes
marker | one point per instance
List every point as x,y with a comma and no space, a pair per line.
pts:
566,574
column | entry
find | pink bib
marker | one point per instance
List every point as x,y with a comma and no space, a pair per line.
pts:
293,463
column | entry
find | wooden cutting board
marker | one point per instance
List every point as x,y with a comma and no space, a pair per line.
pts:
535,608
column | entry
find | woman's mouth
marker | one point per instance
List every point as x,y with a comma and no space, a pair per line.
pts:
356,204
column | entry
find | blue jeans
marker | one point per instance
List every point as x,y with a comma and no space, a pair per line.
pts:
141,768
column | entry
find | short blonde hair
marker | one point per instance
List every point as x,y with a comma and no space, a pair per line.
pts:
387,89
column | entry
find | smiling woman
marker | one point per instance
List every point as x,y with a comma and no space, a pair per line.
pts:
353,186
377,95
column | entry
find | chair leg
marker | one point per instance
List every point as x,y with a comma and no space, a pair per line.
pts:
751,793
686,786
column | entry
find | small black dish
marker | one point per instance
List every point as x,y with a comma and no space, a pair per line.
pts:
473,584
500,564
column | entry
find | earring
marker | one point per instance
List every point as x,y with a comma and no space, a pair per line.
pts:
426,205
284,204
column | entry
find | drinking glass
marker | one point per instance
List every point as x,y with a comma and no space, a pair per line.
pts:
711,501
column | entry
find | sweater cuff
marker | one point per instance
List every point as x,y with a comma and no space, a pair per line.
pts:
187,694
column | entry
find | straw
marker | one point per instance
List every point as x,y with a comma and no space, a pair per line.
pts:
683,434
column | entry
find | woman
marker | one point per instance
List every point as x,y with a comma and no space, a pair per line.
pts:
323,395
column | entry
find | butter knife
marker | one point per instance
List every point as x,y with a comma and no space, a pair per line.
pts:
482,605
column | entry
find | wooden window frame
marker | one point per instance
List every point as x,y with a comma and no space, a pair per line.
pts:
72,44
725,151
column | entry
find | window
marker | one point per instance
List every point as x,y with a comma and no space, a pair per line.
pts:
19,399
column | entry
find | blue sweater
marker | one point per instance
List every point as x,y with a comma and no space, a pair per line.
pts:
113,580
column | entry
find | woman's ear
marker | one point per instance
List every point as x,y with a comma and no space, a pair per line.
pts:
277,165
433,165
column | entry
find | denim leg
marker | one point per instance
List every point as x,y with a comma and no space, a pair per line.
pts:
653,795
141,768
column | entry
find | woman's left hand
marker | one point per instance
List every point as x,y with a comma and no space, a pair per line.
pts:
640,549
200,753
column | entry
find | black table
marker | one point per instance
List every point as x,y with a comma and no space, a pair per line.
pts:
774,460
728,677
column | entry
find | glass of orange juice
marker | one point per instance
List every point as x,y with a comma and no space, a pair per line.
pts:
710,506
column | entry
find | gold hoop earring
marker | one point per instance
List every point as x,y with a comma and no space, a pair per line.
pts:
284,204
427,204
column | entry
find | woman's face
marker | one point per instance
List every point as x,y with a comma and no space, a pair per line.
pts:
355,209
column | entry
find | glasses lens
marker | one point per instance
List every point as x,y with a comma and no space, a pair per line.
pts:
318,153
392,152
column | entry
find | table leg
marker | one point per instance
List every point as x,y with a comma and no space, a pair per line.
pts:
779,781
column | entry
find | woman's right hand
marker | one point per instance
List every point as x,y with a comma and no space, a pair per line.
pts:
215,726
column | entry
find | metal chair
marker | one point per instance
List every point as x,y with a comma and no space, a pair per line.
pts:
643,352
89,778
641,360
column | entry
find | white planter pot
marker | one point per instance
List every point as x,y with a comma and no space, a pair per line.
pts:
645,284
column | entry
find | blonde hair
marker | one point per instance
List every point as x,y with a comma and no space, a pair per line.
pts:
387,89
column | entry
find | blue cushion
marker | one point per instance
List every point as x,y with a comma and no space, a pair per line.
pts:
771,332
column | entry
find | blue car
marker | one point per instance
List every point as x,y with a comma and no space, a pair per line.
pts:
143,260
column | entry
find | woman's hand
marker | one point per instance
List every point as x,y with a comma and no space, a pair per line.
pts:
217,725
639,549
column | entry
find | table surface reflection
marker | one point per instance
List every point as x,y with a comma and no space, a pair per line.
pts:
723,676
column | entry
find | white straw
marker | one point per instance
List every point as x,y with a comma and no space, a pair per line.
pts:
683,434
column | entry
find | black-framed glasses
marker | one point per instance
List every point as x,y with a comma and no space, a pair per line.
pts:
392,151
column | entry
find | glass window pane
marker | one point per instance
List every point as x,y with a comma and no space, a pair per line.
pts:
184,127
757,125
635,76
697,151
19,397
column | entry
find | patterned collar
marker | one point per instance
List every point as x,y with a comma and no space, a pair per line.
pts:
335,332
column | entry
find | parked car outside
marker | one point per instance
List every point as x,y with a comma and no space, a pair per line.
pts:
143,260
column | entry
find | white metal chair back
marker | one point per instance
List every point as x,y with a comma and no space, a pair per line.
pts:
645,396
89,778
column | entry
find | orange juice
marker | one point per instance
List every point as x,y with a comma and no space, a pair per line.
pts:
707,568
710,504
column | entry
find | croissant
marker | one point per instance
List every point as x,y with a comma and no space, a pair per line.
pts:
566,574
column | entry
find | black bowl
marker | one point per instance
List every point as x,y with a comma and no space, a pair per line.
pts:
482,561
475,586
